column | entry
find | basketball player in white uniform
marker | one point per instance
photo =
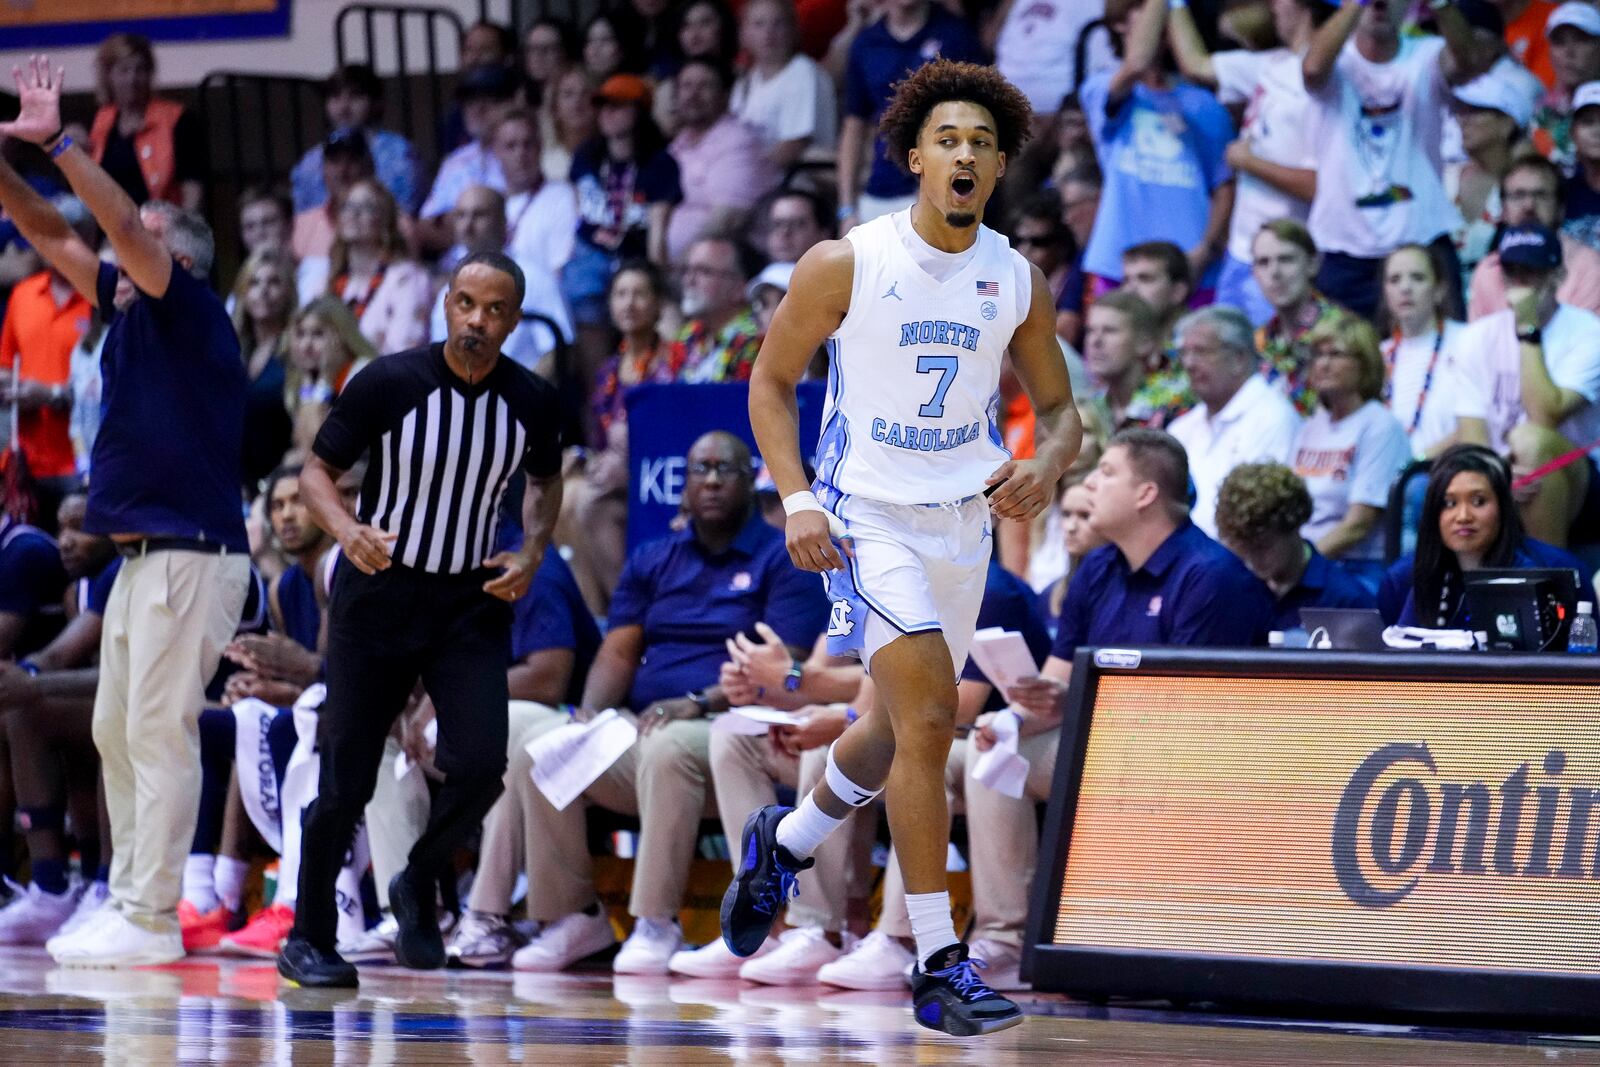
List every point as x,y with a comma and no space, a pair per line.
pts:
917,309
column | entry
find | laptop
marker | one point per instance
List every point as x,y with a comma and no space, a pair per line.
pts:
1348,629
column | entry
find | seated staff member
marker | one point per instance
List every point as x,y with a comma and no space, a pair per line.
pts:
1260,509
1160,580
679,600
1468,521
31,585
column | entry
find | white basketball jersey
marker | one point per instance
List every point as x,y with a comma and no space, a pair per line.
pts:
912,415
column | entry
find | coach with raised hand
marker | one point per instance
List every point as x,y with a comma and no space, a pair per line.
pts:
417,593
166,489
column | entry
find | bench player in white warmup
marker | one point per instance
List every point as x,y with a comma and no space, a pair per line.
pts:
917,308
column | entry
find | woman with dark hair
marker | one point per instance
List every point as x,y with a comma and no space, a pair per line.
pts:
152,147
1469,521
702,29
626,182
548,45
608,49
636,296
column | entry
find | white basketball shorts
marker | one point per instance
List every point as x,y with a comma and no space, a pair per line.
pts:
917,568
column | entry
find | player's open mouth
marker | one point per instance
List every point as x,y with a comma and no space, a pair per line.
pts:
963,185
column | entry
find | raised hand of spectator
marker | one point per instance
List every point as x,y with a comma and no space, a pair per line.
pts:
39,96
766,664
275,657
823,725
368,548
736,685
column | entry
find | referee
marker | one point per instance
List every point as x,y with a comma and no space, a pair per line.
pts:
416,593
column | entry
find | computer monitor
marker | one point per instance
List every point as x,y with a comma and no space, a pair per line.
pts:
1523,610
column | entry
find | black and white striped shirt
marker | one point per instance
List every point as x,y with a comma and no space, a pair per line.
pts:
440,451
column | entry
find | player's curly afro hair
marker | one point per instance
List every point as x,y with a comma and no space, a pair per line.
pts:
945,80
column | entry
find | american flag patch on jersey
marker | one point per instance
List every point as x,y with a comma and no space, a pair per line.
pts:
988,288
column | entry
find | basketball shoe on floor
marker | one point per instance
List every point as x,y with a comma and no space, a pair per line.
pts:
950,997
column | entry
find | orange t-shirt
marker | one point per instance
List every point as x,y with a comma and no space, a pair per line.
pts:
1018,422
44,335
1529,46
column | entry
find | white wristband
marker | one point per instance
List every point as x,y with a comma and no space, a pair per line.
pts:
806,500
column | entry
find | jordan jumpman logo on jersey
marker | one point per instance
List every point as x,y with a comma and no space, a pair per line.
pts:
891,292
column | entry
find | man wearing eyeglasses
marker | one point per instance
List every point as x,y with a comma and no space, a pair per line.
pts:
1531,195
678,602
720,335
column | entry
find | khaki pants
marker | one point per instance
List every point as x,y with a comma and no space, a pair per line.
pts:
502,855
1003,841
745,769
168,618
664,779
894,920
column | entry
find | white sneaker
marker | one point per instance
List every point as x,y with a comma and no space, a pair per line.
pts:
95,899
796,960
714,960
82,937
878,962
120,942
648,948
375,945
1004,973
35,916
564,942
483,940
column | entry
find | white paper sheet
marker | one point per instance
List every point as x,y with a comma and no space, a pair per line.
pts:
568,759
752,719
1001,768
1003,657
402,762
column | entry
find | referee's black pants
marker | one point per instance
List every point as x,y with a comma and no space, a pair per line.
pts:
385,631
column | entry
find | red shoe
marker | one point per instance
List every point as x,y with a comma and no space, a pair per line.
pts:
262,936
201,933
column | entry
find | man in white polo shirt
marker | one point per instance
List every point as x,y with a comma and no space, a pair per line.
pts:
1240,419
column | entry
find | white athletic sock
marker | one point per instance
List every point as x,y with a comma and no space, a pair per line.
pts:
229,875
931,924
806,827
198,887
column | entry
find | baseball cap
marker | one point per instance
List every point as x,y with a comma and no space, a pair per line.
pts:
776,275
1586,95
1581,16
1497,94
625,89
1533,247
347,142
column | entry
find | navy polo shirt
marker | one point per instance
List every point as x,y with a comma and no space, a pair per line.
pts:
1396,593
1322,586
878,61
297,603
689,602
553,615
1010,604
31,577
167,458
1191,591
95,593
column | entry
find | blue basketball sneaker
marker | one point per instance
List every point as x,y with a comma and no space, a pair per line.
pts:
951,998
766,882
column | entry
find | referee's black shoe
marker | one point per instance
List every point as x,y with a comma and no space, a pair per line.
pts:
305,964
419,945
948,996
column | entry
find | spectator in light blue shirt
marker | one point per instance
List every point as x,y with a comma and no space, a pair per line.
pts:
1161,142
353,100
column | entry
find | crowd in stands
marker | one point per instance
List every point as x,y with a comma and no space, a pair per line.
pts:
1294,249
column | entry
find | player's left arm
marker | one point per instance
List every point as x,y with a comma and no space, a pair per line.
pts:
1026,486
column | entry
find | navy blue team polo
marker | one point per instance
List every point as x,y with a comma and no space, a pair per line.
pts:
1191,591
553,615
690,602
1323,585
1010,604
167,458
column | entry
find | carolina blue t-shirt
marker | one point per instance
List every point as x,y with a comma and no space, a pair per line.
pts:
1161,152
31,576
1396,593
167,458
690,602
878,61
1191,591
1322,586
1010,604
554,615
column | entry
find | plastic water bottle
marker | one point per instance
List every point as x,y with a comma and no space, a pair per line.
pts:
1584,638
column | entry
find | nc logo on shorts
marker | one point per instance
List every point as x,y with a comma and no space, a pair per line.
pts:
989,310
839,622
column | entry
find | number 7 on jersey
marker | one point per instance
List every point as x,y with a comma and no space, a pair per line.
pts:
947,367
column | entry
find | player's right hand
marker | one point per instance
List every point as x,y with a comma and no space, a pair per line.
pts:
368,548
811,545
